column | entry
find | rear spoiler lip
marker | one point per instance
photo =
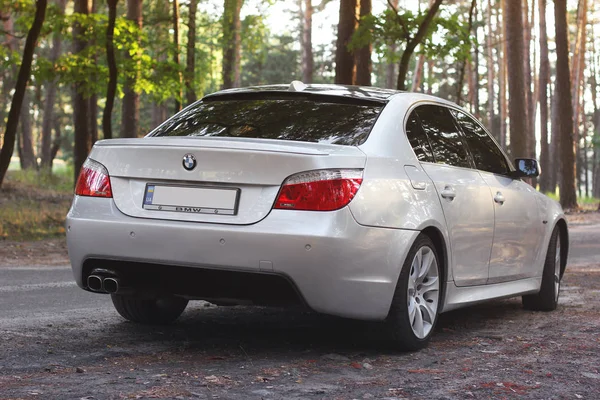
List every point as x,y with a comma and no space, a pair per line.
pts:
291,95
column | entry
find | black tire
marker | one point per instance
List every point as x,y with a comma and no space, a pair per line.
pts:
547,298
157,311
400,331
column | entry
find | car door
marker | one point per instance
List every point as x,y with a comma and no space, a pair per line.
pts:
463,194
518,226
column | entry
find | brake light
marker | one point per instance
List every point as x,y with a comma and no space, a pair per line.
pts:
93,180
325,190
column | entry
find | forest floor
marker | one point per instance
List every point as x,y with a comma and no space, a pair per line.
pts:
58,342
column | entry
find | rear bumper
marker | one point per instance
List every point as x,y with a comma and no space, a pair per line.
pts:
338,266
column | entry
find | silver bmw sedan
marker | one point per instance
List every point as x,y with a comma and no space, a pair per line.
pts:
357,202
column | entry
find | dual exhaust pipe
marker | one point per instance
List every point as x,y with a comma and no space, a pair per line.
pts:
97,283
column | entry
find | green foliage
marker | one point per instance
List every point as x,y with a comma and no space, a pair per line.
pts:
448,34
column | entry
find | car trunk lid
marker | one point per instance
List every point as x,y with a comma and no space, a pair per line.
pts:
235,181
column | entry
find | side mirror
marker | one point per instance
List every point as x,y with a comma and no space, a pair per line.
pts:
526,168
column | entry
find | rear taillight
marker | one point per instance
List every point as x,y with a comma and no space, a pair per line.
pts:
93,180
324,190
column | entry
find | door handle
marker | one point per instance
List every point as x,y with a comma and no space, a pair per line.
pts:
499,198
448,193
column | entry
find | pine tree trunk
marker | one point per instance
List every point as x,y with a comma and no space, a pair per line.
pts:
555,172
50,100
159,114
363,62
568,197
232,28
27,156
491,91
418,74
176,58
190,70
111,88
81,102
503,104
307,51
344,60
130,118
577,82
390,68
465,61
544,78
529,131
516,81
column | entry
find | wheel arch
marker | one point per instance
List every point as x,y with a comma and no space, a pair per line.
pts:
561,224
439,242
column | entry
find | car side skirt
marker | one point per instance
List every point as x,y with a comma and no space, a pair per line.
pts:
457,297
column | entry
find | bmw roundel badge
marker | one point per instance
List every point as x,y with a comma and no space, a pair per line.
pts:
189,162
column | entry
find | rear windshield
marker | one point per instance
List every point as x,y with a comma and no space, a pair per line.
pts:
299,120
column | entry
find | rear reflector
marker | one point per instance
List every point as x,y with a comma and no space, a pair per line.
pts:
93,180
325,190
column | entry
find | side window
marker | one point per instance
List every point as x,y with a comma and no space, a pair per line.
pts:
446,142
486,153
417,139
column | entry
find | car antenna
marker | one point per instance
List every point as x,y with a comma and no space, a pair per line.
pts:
297,86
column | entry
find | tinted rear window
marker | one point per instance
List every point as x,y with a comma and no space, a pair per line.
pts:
284,119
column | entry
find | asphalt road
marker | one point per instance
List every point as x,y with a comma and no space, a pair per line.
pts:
49,328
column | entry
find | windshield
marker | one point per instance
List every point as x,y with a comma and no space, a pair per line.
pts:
283,119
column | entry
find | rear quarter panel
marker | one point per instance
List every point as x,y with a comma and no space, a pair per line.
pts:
387,198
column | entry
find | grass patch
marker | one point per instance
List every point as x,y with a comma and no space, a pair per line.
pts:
33,205
584,202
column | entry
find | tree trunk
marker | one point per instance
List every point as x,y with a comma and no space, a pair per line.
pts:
577,82
190,70
27,156
390,69
57,140
568,197
232,27
345,69
463,63
516,81
474,82
130,110
544,77
362,59
21,85
596,119
490,65
176,58
93,96
51,89
307,52
81,102
529,130
555,172
418,74
111,88
503,104
159,114
413,42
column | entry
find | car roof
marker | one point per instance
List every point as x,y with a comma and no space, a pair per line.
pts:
364,93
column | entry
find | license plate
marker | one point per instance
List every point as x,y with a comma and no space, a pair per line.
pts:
191,199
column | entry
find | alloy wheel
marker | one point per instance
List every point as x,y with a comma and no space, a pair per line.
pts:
423,292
